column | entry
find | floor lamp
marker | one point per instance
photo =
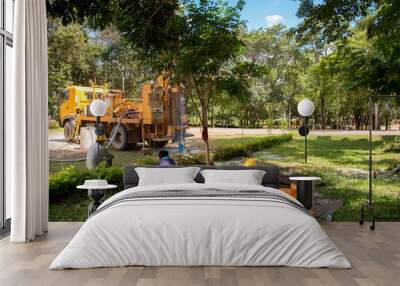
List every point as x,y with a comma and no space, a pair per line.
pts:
98,108
369,204
305,109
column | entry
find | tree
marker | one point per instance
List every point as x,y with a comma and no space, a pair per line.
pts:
284,64
334,21
209,40
153,26
189,42
72,59
119,64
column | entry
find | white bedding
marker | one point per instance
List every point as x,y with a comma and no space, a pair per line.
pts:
202,232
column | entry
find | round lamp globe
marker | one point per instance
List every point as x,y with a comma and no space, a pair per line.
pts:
98,107
305,108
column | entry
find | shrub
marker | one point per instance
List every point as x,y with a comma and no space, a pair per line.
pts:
63,183
185,160
392,146
245,149
53,124
148,160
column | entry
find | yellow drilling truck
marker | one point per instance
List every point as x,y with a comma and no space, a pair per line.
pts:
153,119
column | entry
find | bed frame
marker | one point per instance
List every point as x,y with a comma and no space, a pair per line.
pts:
272,178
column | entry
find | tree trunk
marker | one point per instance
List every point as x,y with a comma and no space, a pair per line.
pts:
212,116
204,135
323,115
377,125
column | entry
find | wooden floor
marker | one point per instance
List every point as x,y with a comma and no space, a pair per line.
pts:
375,257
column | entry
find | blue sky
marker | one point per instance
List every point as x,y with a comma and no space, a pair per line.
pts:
256,12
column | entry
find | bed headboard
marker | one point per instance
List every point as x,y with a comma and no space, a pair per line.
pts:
270,179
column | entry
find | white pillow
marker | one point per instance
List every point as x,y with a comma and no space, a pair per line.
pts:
166,176
247,177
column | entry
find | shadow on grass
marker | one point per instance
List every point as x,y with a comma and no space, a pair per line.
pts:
342,151
329,158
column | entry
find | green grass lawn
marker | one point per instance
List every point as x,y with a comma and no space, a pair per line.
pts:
120,159
332,158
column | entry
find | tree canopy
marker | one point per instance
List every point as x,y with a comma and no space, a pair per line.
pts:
337,21
340,53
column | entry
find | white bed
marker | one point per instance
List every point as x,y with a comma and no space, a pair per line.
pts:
200,231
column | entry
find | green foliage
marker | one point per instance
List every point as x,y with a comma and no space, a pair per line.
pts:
119,64
237,81
392,145
376,68
63,183
332,19
246,148
233,77
72,59
333,158
147,160
342,163
193,159
53,124
148,23
280,78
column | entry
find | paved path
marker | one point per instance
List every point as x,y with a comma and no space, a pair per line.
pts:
56,137
231,132
57,142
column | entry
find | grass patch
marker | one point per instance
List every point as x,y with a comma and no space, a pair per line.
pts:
334,159
246,147
330,157
69,204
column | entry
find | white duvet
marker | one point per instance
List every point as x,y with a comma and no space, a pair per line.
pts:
202,232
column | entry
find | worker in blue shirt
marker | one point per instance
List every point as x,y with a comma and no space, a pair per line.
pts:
165,160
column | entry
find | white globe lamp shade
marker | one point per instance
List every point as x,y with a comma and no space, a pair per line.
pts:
98,107
305,108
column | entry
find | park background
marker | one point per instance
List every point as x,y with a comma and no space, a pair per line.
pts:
252,71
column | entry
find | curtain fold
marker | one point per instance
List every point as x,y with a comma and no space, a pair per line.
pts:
27,157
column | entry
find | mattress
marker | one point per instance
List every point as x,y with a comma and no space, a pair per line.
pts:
201,225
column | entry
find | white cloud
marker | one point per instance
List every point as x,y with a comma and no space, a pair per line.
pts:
273,20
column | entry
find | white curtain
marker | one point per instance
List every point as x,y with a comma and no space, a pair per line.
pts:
27,122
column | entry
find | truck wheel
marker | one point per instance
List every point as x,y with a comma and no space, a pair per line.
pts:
69,127
120,141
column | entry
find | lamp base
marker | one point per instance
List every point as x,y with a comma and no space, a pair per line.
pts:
368,206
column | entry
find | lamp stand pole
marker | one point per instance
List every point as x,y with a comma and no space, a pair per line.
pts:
305,138
369,205
98,138
370,152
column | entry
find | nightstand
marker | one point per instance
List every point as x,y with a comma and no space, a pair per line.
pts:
305,189
96,192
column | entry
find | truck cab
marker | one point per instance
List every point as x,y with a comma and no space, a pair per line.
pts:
75,99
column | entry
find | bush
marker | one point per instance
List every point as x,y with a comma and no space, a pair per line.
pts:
53,124
245,149
195,159
148,160
392,146
184,160
63,183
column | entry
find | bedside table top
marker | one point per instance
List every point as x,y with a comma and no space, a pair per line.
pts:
305,178
87,187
